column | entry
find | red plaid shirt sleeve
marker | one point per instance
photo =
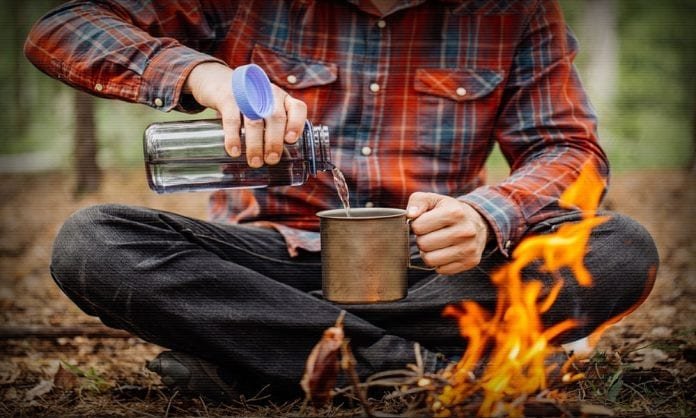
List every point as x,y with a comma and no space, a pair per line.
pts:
546,130
137,51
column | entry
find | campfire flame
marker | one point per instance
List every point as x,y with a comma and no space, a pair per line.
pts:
513,335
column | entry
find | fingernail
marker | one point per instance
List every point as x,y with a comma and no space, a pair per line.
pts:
290,136
272,158
412,210
256,162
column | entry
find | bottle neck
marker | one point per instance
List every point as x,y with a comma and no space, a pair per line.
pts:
317,149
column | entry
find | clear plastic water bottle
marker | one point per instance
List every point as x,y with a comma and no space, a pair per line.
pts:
190,155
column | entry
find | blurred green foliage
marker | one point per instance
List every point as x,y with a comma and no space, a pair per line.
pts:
649,122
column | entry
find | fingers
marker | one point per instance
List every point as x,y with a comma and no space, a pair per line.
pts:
253,141
265,139
452,260
434,212
275,129
285,124
445,237
420,202
231,125
297,115
451,250
209,84
450,234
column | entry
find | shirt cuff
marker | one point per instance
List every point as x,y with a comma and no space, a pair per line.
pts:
502,215
164,78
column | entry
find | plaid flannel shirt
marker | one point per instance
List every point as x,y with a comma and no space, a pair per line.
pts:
414,99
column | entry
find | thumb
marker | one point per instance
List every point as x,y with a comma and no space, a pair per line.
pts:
420,202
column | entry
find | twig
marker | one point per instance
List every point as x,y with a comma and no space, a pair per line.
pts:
637,392
139,413
348,365
43,331
205,407
419,358
259,396
402,393
340,319
169,404
392,373
303,408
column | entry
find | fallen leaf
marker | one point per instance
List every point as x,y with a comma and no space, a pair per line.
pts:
651,356
40,389
321,369
663,315
65,379
661,332
9,374
593,410
10,394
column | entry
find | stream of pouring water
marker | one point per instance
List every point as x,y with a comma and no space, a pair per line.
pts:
341,189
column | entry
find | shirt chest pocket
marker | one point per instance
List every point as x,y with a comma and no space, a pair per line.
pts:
306,79
455,107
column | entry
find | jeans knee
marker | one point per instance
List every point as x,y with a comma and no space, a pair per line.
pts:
76,242
636,245
623,262
629,261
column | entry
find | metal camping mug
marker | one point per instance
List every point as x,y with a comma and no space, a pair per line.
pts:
365,256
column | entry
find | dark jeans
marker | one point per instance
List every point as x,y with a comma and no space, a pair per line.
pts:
231,294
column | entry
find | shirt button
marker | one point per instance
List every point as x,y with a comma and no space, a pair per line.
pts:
461,91
98,87
158,102
374,87
292,79
369,205
366,151
381,24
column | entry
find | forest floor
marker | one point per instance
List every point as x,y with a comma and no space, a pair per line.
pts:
645,365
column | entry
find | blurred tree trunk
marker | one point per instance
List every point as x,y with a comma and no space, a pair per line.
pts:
600,42
693,139
19,106
87,172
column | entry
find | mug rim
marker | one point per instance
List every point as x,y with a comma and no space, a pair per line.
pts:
361,213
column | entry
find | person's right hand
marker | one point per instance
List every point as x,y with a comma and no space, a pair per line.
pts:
210,83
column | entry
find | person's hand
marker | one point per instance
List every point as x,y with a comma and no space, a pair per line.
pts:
450,234
210,85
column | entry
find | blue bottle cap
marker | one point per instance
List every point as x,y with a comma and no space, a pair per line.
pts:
252,91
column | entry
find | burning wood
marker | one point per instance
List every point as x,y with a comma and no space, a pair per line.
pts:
517,343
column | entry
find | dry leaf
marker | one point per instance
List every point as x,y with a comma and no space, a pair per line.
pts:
10,394
41,389
651,356
593,410
65,379
321,369
9,374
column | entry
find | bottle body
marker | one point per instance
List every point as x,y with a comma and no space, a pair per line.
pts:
190,156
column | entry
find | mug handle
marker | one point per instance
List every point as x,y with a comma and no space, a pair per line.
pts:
408,258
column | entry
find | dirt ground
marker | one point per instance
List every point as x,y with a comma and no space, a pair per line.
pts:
645,366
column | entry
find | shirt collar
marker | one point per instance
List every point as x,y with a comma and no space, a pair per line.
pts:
367,7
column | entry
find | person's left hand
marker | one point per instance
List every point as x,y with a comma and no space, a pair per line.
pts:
450,234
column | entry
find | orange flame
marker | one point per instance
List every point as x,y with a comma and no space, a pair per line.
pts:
514,335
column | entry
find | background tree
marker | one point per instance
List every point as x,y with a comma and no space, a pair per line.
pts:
87,172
